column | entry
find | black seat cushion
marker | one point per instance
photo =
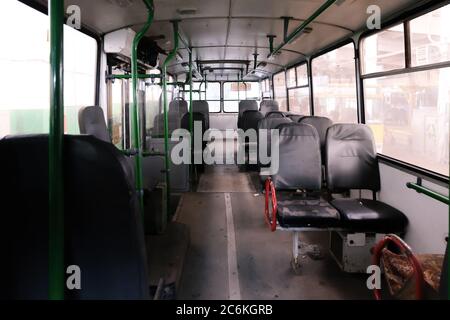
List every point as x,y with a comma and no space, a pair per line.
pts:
364,215
295,211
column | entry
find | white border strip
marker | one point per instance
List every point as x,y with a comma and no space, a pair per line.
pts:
233,275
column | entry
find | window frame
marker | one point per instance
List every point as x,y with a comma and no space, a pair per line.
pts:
336,46
223,94
420,172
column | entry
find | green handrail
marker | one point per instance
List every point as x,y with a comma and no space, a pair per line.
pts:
169,58
302,27
129,76
191,113
428,192
135,124
56,137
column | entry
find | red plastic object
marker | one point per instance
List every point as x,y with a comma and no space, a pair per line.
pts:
271,220
400,244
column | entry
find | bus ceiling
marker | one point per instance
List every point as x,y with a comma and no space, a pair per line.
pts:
280,34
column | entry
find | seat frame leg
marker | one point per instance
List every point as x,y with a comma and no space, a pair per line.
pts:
295,262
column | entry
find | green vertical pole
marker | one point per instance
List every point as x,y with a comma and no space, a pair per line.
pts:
136,143
169,58
191,112
56,137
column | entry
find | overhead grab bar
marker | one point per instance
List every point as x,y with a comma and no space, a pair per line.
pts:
136,136
302,27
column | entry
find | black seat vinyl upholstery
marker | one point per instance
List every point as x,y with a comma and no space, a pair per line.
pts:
351,163
321,124
364,215
250,119
202,106
269,124
295,117
245,105
103,228
275,114
177,109
300,168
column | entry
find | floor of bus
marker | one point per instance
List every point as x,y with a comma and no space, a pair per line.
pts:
232,254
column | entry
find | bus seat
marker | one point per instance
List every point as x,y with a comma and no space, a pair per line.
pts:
245,105
300,168
269,124
351,163
250,119
92,122
321,124
177,109
295,117
275,114
202,107
103,229
268,106
178,106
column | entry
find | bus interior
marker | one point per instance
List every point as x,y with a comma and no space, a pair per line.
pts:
224,149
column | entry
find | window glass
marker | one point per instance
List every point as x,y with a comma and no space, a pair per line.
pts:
233,92
25,102
291,78
116,116
409,115
213,96
430,37
299,101
267,89
302,75
279,83
334,82
384,51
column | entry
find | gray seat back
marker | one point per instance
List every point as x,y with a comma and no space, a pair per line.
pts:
351,158
275,114
269,124
250,119
92,121
321,124
268,106
103,227
245,105
178,106
300,159
201,106
295,117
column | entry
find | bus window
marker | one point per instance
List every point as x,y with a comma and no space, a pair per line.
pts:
233,92
334,83
279,84
430,37
213,96
409,112
384,51
24,107
299,102
266,89
291,78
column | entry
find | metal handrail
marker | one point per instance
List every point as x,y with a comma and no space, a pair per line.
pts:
428,192
135,127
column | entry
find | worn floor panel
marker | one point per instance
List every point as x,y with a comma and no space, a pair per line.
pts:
204,275
263,257
224,178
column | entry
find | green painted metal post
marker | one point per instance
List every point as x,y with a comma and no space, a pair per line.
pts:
136,143
169,58
191,113
56,137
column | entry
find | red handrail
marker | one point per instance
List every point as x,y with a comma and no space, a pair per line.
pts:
270,190
418,273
